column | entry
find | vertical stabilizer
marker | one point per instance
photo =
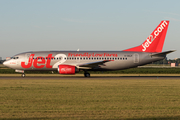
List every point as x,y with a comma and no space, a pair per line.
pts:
155,41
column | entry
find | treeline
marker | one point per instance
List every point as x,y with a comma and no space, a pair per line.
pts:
165,61
1,61
127,71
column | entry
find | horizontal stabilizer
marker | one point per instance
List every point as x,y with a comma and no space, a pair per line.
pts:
162,53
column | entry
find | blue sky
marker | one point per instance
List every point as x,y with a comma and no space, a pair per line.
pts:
37,25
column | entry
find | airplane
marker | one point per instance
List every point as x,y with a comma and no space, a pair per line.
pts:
71,62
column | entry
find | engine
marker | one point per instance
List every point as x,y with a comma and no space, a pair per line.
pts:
67,69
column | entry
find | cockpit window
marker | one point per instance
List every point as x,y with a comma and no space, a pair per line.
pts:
14,57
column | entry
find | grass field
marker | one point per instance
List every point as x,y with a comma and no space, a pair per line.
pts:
89,98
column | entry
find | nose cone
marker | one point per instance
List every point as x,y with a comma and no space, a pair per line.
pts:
5,63
11,64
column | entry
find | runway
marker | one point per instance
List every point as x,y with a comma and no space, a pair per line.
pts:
88,78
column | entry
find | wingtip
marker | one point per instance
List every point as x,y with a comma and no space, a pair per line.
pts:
172,50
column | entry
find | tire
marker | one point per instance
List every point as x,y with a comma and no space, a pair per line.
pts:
86,75
23,75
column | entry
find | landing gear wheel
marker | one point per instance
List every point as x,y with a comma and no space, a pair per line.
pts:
86,74
23,75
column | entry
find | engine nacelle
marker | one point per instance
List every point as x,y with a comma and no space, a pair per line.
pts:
67,69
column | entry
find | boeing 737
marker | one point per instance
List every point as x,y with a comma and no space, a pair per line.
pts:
71,62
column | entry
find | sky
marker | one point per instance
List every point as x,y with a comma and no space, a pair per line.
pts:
43,25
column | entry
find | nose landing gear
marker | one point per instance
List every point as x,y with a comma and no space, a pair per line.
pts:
23,75
21,71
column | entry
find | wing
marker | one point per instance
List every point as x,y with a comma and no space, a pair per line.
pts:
92,64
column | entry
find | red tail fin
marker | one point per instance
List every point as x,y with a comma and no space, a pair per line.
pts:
155,41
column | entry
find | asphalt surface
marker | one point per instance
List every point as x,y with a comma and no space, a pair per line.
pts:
93,77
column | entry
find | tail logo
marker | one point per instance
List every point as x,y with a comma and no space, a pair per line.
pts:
151,37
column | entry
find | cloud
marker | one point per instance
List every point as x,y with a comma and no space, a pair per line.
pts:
168,13
173,19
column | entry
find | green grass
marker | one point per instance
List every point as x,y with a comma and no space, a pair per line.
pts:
89,98
2,66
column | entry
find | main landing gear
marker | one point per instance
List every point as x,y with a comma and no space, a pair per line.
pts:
23,75
86,74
